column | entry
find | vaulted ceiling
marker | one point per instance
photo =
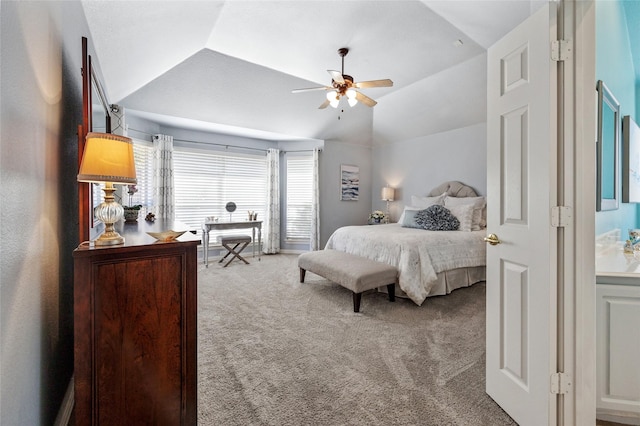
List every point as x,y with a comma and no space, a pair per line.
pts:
235,62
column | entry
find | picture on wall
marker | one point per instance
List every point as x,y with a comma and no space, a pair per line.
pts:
349,182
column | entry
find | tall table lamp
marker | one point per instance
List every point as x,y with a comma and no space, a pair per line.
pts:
387,195
108,158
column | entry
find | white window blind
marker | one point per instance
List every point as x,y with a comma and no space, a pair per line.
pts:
299,193
205,181
143,156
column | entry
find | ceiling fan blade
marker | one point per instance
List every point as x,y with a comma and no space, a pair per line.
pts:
365,99
324,105
311,89
373,83
336,76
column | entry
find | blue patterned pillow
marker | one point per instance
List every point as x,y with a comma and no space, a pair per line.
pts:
437,218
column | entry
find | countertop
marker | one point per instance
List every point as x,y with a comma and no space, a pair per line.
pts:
614,266
135,234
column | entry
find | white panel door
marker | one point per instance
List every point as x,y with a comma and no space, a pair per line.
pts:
521,182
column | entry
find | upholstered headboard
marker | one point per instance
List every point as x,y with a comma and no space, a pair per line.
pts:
454,189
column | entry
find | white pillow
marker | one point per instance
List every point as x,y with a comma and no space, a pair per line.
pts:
424,202
478,203
464,214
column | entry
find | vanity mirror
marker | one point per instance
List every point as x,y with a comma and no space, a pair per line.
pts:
607,150
100,116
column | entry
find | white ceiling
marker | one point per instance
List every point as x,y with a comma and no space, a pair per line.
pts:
235,62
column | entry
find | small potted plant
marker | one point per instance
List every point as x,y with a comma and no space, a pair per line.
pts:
376,217
131,211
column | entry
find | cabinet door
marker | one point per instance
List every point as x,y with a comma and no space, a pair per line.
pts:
138,341
135,328
618,337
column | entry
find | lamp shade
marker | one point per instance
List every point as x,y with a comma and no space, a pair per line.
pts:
108,158
387,194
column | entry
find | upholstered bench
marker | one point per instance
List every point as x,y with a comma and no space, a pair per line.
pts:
355,273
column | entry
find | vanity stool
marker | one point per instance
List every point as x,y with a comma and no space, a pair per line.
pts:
241,241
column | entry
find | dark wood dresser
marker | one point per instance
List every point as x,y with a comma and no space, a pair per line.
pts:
135,317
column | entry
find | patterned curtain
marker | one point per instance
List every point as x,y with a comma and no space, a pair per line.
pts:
163,192
315,204
272,221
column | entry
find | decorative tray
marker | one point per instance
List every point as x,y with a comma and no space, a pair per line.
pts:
166,236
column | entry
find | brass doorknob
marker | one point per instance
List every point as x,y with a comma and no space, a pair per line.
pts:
492,239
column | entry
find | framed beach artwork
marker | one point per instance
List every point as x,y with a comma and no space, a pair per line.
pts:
349,182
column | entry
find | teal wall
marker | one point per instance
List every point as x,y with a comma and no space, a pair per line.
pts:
614,66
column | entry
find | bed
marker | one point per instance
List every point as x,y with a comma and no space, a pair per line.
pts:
430,263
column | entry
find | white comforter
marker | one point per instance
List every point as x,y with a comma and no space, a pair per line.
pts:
418,254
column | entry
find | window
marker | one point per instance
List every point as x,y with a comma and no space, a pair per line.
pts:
143,156
299,197
205,181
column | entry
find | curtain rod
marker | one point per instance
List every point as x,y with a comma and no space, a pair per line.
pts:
225,145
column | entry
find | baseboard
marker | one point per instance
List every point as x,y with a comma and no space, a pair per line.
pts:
64,414
618,417
289,251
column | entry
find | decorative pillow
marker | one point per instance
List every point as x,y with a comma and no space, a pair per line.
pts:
406,208
424,202
478,203
408,219
437,218
464,214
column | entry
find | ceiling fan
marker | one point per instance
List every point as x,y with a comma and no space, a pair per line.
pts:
343,85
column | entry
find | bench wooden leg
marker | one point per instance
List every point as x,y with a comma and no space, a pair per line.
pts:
356,301
391,289
302,272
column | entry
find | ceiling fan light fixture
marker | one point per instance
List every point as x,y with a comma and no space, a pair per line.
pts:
343,85
351,96
333,98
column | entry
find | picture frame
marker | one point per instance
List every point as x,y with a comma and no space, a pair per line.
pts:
349,182
630,160
607,150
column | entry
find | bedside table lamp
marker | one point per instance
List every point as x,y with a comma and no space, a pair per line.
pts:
387,195
108,158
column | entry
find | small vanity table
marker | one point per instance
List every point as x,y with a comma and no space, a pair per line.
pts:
618,334
254,225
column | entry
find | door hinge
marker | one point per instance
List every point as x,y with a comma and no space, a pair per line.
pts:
560,216
560,50
560,383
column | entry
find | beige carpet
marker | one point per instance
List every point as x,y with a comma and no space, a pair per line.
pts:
273,351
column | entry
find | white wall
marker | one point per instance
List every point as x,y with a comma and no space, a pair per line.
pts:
451,99
335,213
416,166
430,132
41,106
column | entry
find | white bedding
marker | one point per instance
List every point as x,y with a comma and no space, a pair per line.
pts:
419,254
